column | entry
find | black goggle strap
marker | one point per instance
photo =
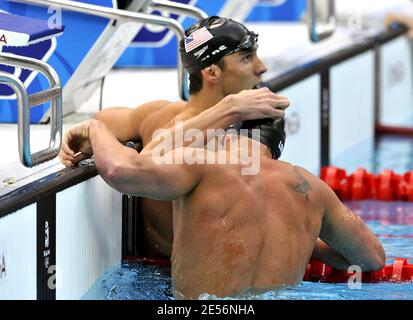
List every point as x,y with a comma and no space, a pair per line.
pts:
249,42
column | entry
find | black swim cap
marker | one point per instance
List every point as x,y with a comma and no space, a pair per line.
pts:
210,39
272,134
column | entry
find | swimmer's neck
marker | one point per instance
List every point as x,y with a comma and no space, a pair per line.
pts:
204,100
245,145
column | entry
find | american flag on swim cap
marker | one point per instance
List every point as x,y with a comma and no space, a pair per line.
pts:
197,38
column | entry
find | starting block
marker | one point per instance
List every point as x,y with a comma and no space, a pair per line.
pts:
20,31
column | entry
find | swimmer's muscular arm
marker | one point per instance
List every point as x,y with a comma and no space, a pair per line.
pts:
346,240
326,254
321,250
125,122
246,105
136,174
346,233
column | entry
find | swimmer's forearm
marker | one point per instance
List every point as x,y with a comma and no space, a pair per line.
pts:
220,116
326,254
135,174
105,145
110,155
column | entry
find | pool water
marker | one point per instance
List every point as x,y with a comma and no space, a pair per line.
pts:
392,222
132,282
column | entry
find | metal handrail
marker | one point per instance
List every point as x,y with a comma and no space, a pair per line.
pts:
317,35
23,99
23,113
127,16
179,8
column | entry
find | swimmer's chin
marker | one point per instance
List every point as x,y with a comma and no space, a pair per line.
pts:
260,84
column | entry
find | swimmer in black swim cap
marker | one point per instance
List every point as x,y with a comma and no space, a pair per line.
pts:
224,48
271,134
224,88
211,40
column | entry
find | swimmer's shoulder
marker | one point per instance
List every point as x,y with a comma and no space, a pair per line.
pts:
320,193
164,109
297,178
156,114
160,105
289,170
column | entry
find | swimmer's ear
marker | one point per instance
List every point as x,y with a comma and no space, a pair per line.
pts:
211,74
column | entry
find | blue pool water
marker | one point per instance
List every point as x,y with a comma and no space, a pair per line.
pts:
392,222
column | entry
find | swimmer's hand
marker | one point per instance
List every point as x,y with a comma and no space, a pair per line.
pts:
404,20
259,104
76,145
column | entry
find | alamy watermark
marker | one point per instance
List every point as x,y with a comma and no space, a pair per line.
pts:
51,280
216,146
354,282
355,21
55,19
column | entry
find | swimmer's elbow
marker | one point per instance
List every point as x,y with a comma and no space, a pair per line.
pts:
380,260
374,266
118,174
377,260
112,172
118,177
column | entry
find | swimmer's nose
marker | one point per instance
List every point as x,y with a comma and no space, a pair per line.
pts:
260,67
